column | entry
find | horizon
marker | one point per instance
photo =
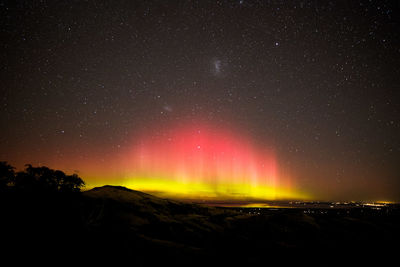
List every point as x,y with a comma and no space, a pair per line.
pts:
241,202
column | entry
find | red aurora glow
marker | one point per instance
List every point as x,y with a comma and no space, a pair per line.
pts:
204,162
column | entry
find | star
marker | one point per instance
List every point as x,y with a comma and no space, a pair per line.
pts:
217,67
167,108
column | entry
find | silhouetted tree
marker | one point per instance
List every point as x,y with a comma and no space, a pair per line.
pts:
72,183
7,175
44,179
25,182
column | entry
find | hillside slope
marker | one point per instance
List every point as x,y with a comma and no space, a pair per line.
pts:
119,223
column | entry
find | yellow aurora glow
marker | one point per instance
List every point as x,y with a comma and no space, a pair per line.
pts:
204,163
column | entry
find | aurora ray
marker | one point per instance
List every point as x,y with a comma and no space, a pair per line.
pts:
204,162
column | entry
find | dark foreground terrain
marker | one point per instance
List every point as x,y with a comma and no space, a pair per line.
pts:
115,222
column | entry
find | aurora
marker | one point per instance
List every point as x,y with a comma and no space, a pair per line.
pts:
205,162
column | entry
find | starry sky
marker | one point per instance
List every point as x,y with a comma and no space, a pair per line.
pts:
85,84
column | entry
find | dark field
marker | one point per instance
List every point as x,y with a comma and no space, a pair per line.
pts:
118,223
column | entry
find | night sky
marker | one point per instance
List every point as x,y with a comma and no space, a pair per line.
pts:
310,88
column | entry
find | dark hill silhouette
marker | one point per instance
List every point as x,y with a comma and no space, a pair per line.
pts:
196,234
123,224
160,222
